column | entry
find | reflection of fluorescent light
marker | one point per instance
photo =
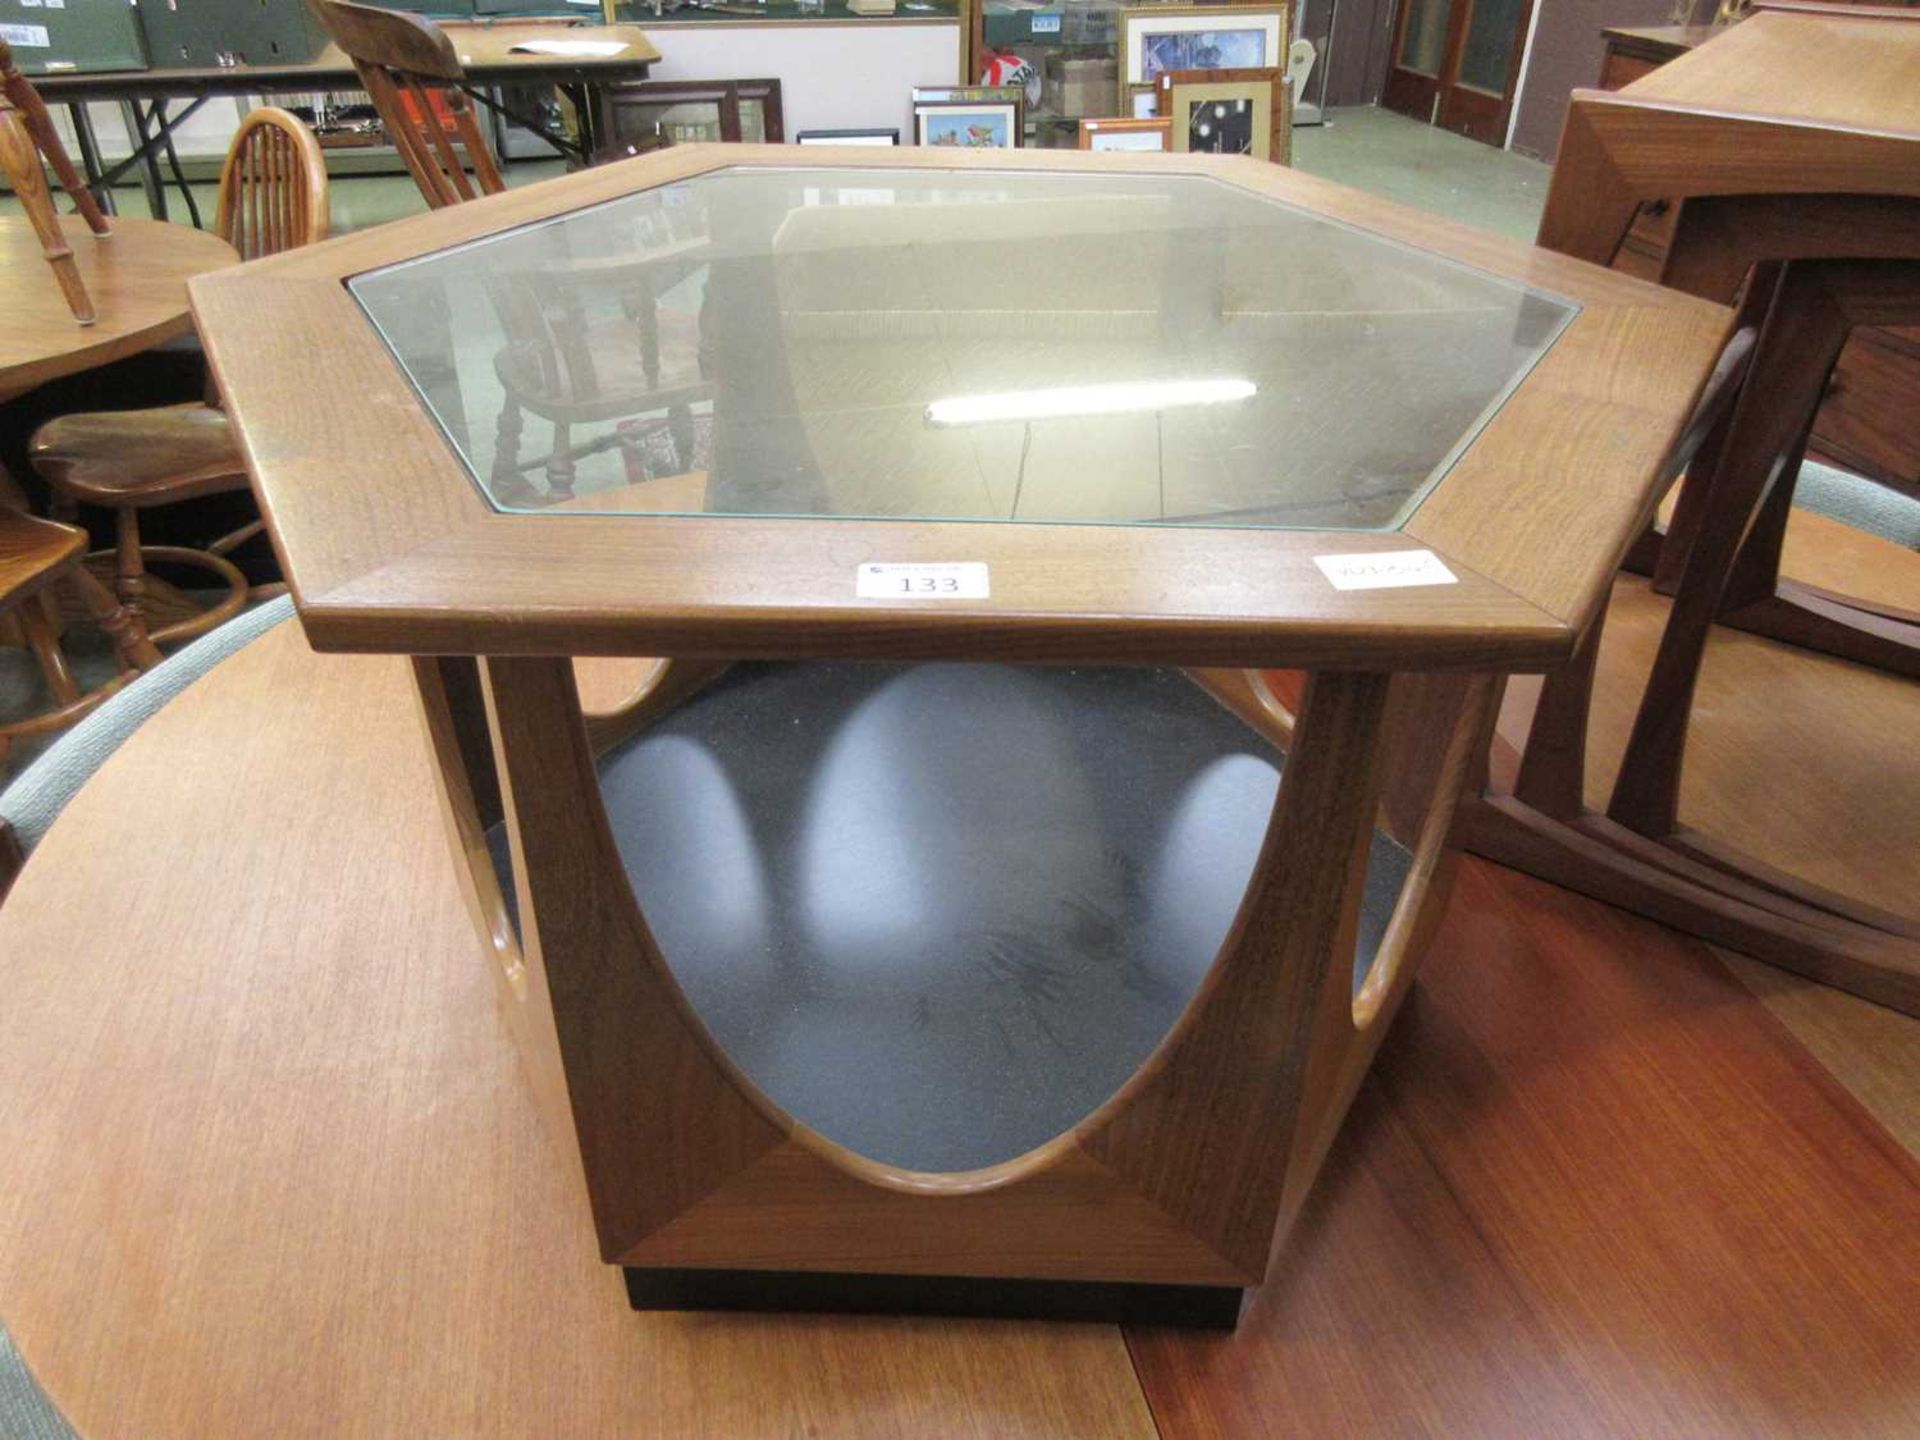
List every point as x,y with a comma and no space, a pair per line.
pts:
1120,399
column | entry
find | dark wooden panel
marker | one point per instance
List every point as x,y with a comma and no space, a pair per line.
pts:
1591,1188
1870,420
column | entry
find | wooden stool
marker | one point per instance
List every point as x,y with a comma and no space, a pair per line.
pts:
273,196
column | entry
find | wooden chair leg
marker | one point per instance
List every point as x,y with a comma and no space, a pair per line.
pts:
122,623
129,565
43,639
22,164
1802,341
560,464
506,446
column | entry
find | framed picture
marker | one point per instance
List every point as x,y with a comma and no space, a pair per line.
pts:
1126,134
968,124
647,113
1143,101
1159,38
1226,112
978,94
847,137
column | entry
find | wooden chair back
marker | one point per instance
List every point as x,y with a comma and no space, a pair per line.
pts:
273,188
26,135
416,82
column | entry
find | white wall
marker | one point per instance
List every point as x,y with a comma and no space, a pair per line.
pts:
832,77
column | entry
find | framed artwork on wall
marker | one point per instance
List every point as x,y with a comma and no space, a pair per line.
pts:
1226,112
1126,134
968,124
1156,39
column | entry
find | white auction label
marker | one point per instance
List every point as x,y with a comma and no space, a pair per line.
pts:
27,37
938,580
1385,570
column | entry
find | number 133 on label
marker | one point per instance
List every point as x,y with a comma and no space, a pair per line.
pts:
942,580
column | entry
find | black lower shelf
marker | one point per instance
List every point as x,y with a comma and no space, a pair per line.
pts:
1211,1307
940,913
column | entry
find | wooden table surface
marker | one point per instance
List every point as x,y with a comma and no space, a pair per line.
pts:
485,49
138,280
1845,71
271,1168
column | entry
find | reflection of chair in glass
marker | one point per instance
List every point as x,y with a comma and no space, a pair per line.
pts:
570,368
559,363
555,363
26,134
273,196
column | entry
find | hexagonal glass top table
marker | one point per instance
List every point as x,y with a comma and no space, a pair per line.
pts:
962,345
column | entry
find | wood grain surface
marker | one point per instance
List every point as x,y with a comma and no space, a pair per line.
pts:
283,1174
1591,1189
389,546
284,1177
137,278
1850,69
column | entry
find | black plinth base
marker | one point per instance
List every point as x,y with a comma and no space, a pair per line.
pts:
1204,1307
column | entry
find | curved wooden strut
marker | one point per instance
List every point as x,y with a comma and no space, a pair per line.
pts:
1181,1177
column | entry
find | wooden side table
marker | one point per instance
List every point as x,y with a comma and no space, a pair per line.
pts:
1822,207
1866,421
954,950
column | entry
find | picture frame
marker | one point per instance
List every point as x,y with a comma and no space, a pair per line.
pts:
1158,38
883,136
1125,133
978,94
1259,118
1143,101
970,124
645,113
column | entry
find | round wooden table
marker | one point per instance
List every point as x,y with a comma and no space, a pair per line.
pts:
137,277
271,1166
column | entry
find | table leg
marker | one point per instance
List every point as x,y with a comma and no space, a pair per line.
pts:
164,135
89,143
143,155
1804,333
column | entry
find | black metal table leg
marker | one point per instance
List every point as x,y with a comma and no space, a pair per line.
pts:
143,153
89,144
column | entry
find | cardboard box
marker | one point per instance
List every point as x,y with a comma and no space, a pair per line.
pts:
1076,88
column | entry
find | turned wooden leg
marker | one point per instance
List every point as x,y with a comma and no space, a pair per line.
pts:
21,161
506,446
129,566
38,621
123,623
680,428
560,464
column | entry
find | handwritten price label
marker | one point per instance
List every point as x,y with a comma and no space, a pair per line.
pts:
1386,570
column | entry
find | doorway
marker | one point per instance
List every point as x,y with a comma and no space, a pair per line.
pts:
1456,63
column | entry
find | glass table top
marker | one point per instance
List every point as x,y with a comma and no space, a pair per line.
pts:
957,345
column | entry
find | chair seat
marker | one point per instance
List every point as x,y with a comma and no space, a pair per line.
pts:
121,458
33,551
